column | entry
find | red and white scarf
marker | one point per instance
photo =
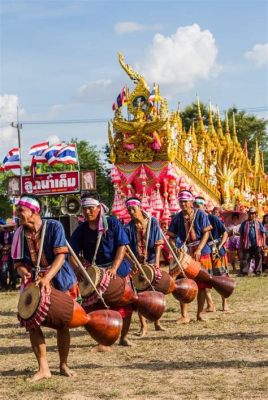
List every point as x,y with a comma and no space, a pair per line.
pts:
259,235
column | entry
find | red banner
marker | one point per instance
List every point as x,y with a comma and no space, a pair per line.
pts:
52,183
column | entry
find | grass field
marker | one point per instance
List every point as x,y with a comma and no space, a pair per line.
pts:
225,357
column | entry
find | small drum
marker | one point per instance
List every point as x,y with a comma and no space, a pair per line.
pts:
189,265
159,280
139,281
36,308
111,289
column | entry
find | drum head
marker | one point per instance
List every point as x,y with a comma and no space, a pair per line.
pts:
138,280
29,301
85,287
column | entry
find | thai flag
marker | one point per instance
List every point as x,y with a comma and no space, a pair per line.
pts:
12,159
151,98
50,153
66,155
38,149
121,99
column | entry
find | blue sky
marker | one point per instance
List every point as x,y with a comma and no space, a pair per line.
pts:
59,59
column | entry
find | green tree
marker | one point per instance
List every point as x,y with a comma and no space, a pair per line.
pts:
90,158
5,204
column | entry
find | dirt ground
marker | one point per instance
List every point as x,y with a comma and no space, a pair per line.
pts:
223,358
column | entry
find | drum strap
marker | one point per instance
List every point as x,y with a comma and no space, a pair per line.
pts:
148,237
97,248
38,268
191,226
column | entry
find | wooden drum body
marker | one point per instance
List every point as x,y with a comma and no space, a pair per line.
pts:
160,280
56,310
112,289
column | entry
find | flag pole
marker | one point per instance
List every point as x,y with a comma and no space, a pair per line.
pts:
18,126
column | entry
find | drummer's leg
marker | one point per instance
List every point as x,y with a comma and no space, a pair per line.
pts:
158,326
210,305
63,342
201,298
185,319
39,349
125,328
143,327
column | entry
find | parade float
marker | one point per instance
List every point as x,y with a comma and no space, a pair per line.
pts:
154,157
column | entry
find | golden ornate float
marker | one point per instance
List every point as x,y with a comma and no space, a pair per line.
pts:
154,157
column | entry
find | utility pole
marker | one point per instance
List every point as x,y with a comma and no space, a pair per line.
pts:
18,126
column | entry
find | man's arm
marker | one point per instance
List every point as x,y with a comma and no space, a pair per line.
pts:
52,271
201,245
119,256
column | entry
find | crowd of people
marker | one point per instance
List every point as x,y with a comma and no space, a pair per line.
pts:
102,240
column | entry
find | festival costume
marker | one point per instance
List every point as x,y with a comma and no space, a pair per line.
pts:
25,249
6,262
84,240
252,241
183,229
144,252
219,261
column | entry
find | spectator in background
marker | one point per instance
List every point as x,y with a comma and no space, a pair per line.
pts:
234,240
265,251
8,276
251,243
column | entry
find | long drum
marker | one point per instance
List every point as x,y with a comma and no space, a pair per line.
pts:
224,285
57,310
112,289
160,280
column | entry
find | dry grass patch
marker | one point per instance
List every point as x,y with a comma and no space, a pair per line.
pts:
225,357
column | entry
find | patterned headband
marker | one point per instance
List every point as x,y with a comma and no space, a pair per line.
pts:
185,196
89,202
30,203
133,202
198,200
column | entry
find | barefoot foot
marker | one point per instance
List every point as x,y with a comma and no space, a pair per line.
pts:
125,342
200,318
183,320
142,332
159,327
66,371
100,348
211,309
40,375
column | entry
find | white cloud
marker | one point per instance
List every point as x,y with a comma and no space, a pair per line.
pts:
128,27
258,55
8,114
93,90
53,139
182,58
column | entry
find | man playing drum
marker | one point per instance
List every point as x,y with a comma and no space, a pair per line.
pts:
145,241
54,270
189,229
217,238
102,241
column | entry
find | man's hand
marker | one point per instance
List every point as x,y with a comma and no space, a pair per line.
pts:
43,283
25,274
197,254
112,272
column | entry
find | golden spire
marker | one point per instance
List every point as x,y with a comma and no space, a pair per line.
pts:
200,126
211,129
219,125
256,158
227,130
234,137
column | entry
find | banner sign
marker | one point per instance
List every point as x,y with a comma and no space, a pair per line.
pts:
52,183
46,184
